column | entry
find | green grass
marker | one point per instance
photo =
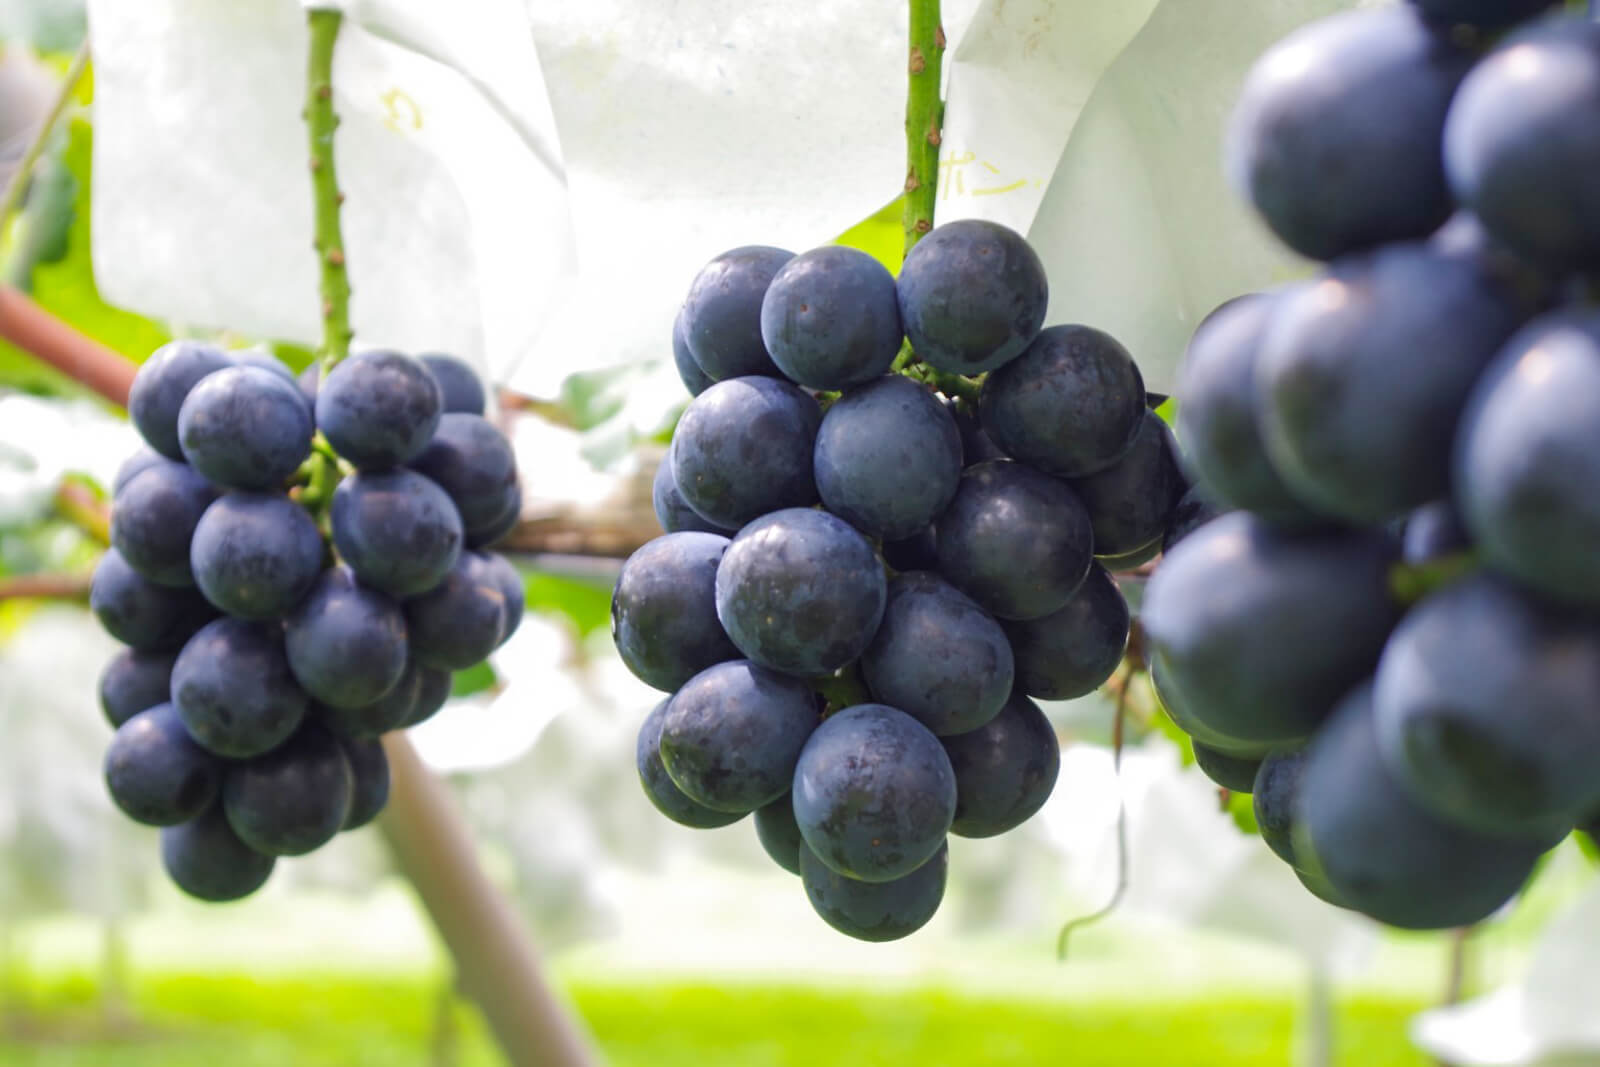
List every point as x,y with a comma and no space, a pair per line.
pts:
190,1021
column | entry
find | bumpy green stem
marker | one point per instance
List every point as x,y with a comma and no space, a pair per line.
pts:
924,118
321,121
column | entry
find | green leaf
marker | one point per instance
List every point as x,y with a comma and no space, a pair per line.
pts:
585,603
475,679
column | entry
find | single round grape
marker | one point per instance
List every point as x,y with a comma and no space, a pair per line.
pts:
134,681
369,776
1277,791
1131,501
294,799
887,458
831,318
1521,141
461,620
1364,373
379,409
668,799
779,834
800,591
162,384
1234,773
1219,418
433,692
972,296
245,428
397,530
875,911
254,555
140,613
460,388
346,643
1017,541
1071,404
664,610
1323,597
1527,459
473,462
1005,769
233,687
743,448
206,859
156,773
1357,830
1072,652
1335,136
731,736
153,520
141,460
722,313
674,515
874,793
392,711
694,379
937,656
1484,709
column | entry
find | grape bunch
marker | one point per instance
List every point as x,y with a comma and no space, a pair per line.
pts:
864,584
278,625
1393,637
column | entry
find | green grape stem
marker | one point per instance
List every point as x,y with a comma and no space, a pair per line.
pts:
924,119
321,122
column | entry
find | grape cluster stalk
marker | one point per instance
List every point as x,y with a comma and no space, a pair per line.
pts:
297,567
1392,637
865,582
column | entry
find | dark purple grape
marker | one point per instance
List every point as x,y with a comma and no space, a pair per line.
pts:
162,384
1005,770
156,773
664,610
722,313
731,736
1071,404
972,295
874,793
662,792
1074,651
245,428
800,591
831,319
1015,540
206,859
938,657
379,409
